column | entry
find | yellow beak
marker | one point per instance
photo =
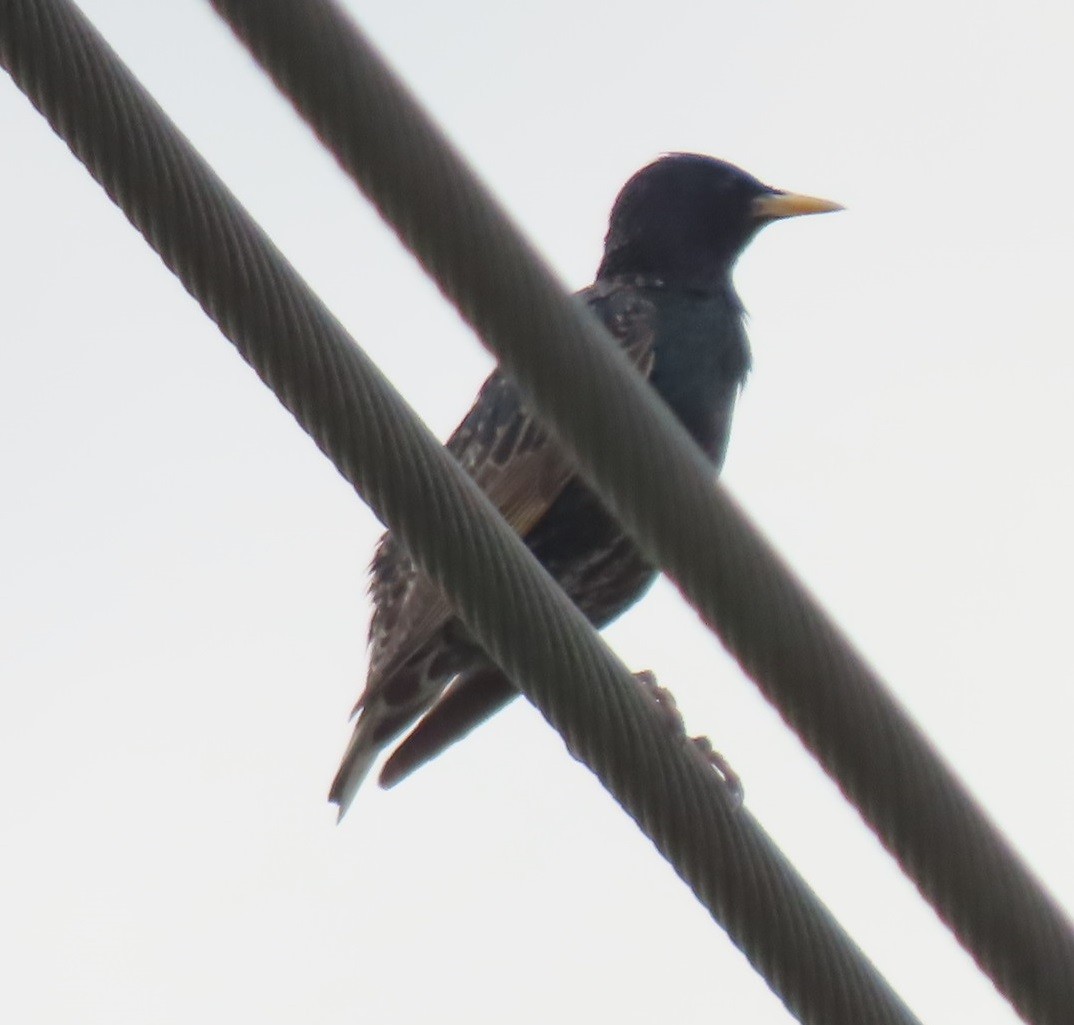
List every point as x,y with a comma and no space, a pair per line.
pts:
774,205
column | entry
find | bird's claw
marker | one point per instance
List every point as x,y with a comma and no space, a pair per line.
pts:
731,779
665,700
669,710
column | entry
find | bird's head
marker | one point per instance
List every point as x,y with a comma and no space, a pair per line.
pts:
687,217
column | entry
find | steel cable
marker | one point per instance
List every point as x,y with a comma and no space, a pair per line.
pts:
354,415
622,436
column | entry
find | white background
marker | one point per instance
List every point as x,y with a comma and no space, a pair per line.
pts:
182,615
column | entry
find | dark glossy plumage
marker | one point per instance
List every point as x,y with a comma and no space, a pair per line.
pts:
664,291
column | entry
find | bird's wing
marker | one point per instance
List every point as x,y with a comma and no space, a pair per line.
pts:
503,447
521,469
509,456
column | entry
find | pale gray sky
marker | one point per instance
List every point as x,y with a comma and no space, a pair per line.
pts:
184,611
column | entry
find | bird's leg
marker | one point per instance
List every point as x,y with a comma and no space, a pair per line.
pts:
702,746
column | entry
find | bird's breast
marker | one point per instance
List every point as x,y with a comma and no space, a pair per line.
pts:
701,358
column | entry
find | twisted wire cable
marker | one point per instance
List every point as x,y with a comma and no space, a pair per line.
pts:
659,485
339,397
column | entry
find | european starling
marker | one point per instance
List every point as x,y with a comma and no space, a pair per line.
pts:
664,291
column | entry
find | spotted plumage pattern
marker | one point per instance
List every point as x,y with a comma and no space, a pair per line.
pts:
664,292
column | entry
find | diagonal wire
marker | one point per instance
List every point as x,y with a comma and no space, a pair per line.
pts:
338,396
622,435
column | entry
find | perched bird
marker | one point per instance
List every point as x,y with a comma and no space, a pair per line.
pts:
664,291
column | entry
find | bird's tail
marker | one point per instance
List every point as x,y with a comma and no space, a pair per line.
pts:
388,707
357,761
469,701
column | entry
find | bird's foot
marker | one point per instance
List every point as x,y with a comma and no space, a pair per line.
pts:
702,746
665,700
731,779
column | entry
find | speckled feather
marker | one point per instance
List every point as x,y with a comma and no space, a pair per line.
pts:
416,645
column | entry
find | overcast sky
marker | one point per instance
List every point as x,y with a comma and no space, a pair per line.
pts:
183,614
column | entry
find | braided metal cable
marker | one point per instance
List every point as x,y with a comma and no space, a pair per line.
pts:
354,415
622,436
